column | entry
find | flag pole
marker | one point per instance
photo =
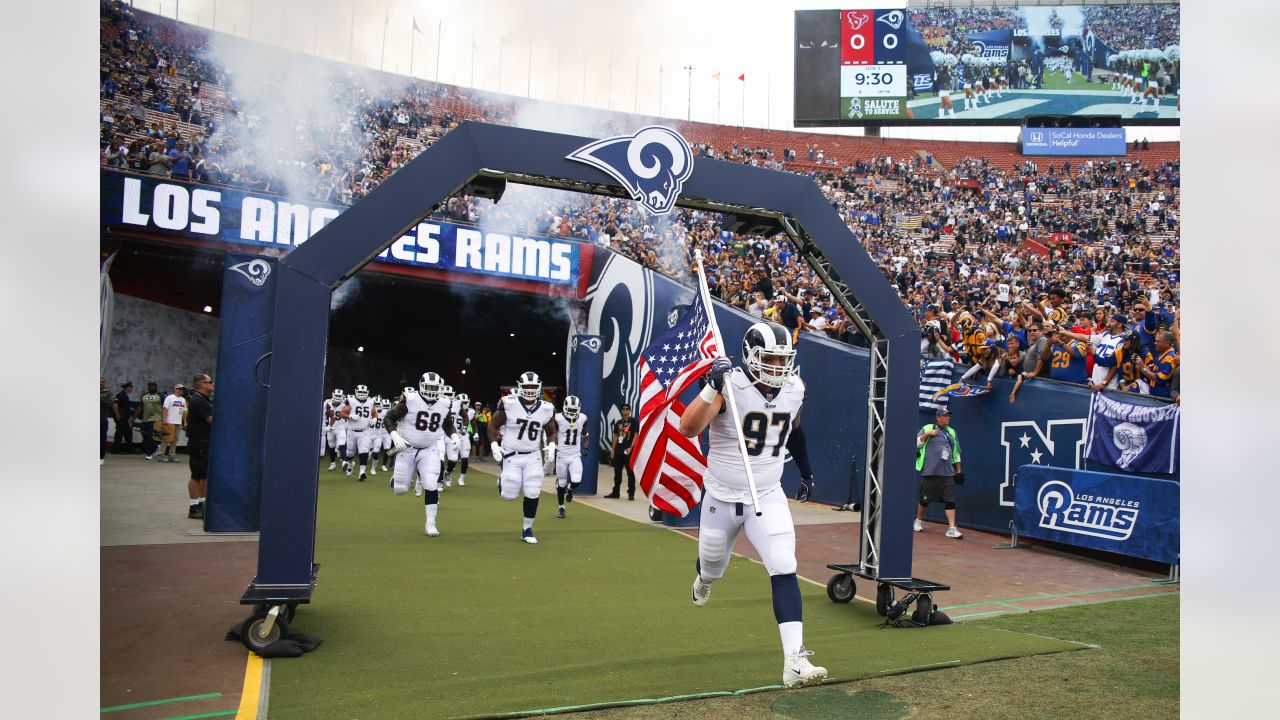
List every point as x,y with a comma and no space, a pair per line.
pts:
733,404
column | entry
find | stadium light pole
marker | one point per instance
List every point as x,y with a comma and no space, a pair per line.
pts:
688,112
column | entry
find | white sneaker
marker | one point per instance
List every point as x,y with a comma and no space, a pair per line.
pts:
701,590
431,529
462,480
953,532
919,526
797,671
333,466
151,456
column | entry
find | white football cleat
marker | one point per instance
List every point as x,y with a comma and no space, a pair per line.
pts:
417,491
797,671
373,469
701,590
333,466
431,529
919,526
462,480
527,536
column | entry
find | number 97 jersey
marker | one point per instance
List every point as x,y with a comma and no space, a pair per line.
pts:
522,432
766,425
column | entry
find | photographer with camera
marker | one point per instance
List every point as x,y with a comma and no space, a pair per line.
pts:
938,462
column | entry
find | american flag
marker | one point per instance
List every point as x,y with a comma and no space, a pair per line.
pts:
669,464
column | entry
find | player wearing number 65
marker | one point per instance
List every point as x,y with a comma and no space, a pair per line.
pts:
419,420
769,395
526,422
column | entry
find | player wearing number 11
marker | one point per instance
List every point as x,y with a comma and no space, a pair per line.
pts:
769,395
526,422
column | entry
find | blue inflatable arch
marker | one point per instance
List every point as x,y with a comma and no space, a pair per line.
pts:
479,159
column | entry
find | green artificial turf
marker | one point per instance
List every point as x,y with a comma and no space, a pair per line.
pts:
477,623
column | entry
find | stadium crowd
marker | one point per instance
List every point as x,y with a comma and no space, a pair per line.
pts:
981,254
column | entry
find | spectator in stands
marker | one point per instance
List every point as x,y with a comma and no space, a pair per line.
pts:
159,159
1032,360
1160,366
1067,357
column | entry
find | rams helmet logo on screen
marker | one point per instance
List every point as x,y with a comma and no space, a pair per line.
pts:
855,108
652,164
892,19
256,270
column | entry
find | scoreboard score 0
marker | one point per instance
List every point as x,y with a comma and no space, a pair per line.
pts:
873,64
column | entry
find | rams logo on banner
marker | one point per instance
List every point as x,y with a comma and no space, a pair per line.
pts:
855,108
591,343
1130,440
1062,509
652,164
256,270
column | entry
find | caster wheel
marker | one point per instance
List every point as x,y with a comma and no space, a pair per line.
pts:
655,514
884,598
924,610
251,632
841,588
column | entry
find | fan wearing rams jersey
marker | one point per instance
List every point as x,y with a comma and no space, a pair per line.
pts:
418,421
571,436
769,395
359,411
525,422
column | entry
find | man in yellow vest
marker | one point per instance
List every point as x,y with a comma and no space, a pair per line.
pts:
938,462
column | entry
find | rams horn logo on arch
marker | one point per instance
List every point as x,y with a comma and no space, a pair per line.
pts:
652,164
256,270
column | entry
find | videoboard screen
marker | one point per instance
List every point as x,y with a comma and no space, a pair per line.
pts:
986,65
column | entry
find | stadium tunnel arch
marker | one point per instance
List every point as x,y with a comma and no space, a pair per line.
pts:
478,157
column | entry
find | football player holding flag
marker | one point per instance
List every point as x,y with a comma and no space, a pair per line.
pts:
767,395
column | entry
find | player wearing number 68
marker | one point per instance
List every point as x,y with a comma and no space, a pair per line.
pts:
527,424
419,421
769,395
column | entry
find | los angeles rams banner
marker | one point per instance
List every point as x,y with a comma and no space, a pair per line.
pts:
1133,438
228,215
1134,516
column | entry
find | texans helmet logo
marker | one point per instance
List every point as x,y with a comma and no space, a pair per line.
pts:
857,19
652,165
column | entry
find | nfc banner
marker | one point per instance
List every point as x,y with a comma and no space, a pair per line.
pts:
247,219
1123,514
1074,141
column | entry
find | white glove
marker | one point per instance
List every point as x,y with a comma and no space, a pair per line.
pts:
549,453
497,449
398,442
455,442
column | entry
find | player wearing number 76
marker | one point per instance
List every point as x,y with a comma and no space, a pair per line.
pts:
526,422
768,394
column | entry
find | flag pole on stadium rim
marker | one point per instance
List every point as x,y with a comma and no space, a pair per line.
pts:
733,404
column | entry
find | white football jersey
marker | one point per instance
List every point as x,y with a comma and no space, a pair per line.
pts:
569,434
361,413
423,424
766,425
334,407
523,429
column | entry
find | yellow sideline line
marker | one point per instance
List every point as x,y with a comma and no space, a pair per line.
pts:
250,696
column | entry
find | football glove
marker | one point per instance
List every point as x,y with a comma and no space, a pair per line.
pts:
397,443
455,442
497,449
806,489
549,453
720,368
959,478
